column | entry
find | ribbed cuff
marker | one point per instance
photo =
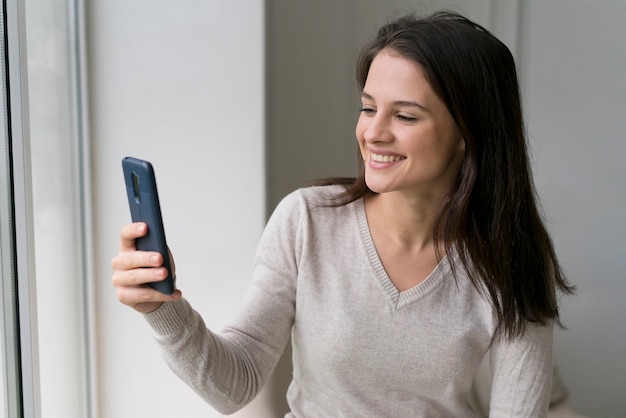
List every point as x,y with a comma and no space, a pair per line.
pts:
170,317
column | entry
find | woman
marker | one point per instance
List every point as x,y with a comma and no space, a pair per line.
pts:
393,285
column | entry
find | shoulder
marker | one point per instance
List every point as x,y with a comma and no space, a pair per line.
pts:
318,195
304,215
310,198
311,207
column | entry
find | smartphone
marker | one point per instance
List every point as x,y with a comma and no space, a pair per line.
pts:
143,200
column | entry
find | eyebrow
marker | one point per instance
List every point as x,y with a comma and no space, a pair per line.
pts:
399,103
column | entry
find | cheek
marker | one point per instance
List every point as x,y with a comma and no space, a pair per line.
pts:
359,132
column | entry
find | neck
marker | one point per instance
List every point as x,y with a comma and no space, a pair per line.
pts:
405,221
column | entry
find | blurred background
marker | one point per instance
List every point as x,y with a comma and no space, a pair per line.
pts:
237,104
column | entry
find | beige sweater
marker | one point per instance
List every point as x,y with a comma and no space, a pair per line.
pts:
361,348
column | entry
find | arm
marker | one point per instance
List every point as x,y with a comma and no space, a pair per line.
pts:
221,370
522,373
229,369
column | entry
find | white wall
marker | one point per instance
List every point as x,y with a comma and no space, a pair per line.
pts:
573,64
181,84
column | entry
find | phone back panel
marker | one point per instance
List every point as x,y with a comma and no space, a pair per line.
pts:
143,200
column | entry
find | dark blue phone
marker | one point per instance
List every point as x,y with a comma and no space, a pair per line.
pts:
143,200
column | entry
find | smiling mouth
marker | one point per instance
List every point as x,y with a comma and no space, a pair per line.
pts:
385,158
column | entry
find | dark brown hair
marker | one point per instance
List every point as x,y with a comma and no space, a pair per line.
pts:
490,215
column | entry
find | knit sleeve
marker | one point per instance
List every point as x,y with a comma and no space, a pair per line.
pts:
522,373
229,369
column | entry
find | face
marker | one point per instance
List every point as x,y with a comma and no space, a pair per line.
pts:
408,139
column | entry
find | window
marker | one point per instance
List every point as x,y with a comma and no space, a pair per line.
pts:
18,362
46,349
58,181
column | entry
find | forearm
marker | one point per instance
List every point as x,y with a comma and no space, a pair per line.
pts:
214,367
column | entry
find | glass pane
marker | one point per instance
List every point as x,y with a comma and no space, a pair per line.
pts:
56,209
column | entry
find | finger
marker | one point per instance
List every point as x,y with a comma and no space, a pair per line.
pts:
144,295
138,276
129,233
127,260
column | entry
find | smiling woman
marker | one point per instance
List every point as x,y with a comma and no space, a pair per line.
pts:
576,148
407,137
400,269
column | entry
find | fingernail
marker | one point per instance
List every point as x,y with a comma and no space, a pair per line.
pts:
154,259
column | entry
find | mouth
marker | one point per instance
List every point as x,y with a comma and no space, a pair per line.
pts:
379,158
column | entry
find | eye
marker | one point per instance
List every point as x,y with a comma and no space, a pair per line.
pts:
406,118
367,110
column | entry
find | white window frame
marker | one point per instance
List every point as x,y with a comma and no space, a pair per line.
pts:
20,384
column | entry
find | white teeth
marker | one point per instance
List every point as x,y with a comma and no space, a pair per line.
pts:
385,158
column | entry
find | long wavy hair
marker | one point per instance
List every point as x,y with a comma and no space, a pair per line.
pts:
490,215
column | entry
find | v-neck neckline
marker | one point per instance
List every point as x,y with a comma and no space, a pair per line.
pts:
396,298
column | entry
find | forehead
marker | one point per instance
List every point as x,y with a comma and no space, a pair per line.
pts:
392,73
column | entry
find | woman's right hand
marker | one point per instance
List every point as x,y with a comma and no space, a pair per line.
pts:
133,270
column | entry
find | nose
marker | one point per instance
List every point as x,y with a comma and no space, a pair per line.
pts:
377,129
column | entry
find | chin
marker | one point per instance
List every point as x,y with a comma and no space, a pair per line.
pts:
376,187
